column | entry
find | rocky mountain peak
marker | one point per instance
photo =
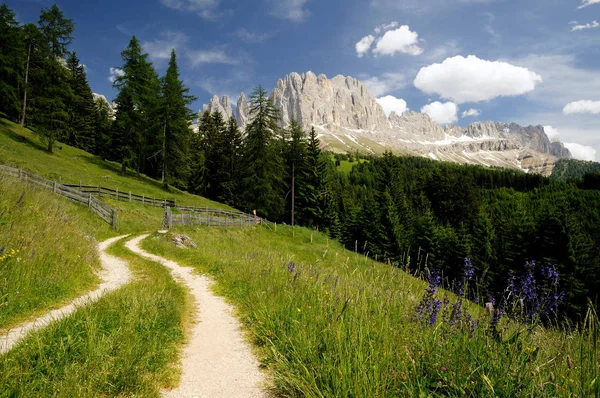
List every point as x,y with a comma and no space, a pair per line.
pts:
222,105
336,104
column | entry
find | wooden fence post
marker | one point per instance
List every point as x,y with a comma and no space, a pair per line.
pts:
54,187
275,227
90,200
261,222
117,194
130,196
20,174
169,219
114,218
143,199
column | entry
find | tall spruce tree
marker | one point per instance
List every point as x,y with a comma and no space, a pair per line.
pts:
81,108
176,118
103,123
136,126
12,54
232,155
52,88
295,156
312,189
263,186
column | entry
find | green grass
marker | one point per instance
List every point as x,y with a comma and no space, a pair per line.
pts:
339,325
20,147
49,251
126,344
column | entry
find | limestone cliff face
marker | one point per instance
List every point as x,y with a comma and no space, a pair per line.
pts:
241,112
223,106
339,104
414,126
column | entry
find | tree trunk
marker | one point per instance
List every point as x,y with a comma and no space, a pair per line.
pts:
25,90
164,154
293,197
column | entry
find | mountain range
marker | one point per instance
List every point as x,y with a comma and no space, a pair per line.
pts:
348,118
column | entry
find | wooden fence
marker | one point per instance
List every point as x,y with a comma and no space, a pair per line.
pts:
122,195
103,210
210,217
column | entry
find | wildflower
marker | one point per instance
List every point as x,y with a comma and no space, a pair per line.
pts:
299,310
496,318
469,270
291,267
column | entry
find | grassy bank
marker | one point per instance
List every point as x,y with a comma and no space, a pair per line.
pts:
20,147
332,324
47,250
126,344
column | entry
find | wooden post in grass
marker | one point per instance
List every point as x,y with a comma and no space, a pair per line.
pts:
117,194
142,198
20,174
90,200
130,196
261,222
54,187
275,227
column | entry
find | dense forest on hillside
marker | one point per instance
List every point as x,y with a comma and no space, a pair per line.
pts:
414,213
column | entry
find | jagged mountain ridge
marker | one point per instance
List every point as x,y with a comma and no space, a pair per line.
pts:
348,117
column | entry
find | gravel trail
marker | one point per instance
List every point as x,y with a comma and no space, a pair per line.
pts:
216,362
113,275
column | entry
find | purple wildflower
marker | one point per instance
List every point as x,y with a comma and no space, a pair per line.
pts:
291,267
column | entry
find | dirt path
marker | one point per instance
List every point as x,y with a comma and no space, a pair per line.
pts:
216,361
113,275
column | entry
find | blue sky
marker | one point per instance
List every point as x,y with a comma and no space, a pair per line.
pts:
529,61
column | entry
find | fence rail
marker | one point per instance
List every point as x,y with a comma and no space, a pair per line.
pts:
103,210
123,195
210,217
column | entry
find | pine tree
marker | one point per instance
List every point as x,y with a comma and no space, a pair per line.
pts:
12,58
176,118
295,157
136,125
263,187
32,41
313,188
229,189
81,108
52,83
103,116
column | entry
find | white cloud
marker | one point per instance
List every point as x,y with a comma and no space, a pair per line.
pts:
471,113
586,3
384,27
401,40
214,56
442,113
583,106
204,8
581,152
386,83
551,132
576,27
364,45
115,73
392,104
250,37
160,49
473,80
293,10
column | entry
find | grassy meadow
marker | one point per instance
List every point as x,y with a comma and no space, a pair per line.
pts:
330,323
127,344
47,250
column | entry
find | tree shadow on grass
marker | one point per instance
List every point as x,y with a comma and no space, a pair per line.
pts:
7,129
